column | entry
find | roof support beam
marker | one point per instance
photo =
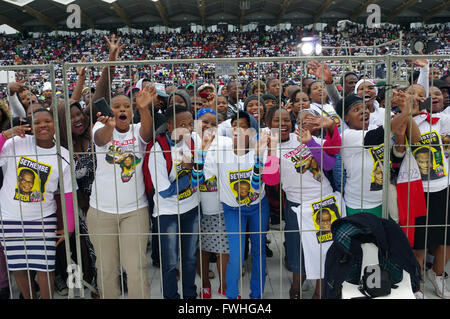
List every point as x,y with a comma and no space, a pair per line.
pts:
41,17
400,9
321,10
436,10
241,17
162,13
202,9
122,14
284,6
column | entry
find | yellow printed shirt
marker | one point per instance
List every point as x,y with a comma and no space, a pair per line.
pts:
430,152
31,179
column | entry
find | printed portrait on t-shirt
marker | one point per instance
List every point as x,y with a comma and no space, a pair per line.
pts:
240,185
304,162
429,156
325,212
189,190
376,180
127,161
32,178
210,185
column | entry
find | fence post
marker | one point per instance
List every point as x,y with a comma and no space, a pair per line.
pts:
387,138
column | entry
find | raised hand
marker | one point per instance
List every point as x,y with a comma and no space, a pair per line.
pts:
317,122
320,71
81,70
16,87
114,47
207,138
263,143
20,130
303,135
145,97
106,120
420,62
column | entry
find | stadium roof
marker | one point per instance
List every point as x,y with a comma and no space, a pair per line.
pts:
49,15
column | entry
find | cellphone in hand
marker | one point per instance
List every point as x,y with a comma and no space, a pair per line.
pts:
425,105
102,106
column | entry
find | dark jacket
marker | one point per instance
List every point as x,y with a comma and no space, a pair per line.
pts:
344,257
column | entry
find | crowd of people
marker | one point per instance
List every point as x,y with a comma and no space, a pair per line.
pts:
43,48
200,170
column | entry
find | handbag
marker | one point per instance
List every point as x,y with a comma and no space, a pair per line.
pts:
375,282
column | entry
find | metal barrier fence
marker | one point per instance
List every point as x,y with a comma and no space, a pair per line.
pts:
220,66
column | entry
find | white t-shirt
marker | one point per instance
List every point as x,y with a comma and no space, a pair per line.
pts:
187,198
434,176
299,168
119,171
31,180
209,195
364,170
316,236
377,117
234,175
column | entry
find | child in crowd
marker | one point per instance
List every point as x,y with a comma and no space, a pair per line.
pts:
176,206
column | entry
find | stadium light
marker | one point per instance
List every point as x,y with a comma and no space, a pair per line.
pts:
109,1
64,2
309,46
19,3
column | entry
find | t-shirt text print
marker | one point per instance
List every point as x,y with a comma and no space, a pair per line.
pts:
241,187
32,178
120,153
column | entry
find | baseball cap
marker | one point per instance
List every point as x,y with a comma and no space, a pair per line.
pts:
205,86
160,89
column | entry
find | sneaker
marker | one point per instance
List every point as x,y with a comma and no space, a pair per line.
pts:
205,293
419,295
439,284
61,286
221,292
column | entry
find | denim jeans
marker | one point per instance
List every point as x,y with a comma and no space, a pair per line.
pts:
292,238
257,222
170,249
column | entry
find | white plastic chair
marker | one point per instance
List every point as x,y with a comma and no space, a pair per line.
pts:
370,257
